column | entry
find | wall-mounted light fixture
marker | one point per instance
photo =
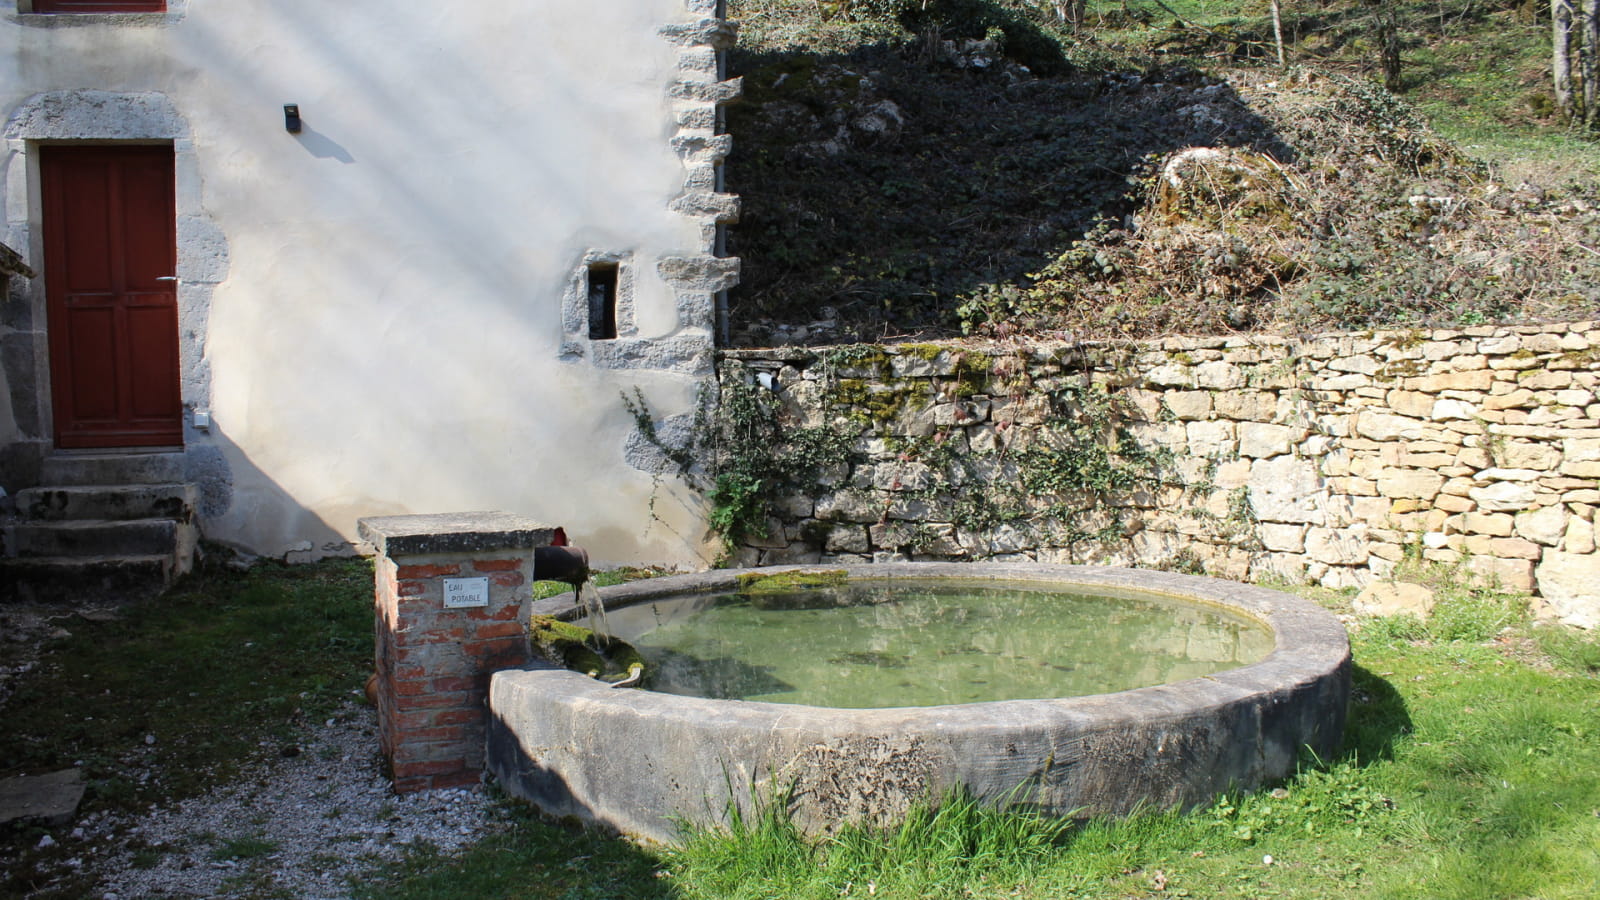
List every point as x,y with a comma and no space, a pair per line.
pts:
291,117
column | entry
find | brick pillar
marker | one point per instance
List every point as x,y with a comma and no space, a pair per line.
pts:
448,592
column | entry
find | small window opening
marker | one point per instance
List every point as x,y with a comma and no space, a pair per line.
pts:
603,301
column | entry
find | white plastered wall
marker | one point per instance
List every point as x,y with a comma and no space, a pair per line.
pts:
380,329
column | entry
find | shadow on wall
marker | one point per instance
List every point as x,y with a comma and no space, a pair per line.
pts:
246,510
880,186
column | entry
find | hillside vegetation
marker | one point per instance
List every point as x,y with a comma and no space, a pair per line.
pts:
914,168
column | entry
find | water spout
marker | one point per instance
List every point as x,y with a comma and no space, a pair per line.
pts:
561,563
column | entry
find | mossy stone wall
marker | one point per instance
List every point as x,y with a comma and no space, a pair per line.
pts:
1328,459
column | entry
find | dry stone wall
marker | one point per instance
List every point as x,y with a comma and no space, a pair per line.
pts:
1329,459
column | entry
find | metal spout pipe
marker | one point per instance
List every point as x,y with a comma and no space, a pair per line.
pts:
561,563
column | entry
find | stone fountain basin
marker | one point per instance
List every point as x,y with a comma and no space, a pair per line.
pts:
644,763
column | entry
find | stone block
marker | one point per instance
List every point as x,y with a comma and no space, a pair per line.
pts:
1211,438
1380,426
1343,577
1570,584
1500,345
1476,380
1546,526
1385,598
1581,449
1514,548
1249,406
1287,489
1282,538
1345,546
1219,376
1504,496
850,505
1257,439
1581,468
799,553
1170,376
1232,475
1189,405
1417,484
1491,524
1543,380
1410,403
1453,409
1289,567
1579,537
1433,461
50,800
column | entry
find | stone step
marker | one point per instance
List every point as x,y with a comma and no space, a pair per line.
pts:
93,537
120,502
136,467
103,579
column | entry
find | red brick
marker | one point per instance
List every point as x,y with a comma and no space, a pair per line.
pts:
422,718
412,589
456,716
508,580
407,573
436,701
494,614
406,673
464,778
411,688
497,565
411,768
486,648
491,630
457,683
454,733
507,660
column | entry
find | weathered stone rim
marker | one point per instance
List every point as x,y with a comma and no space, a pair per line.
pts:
646,763
1306,638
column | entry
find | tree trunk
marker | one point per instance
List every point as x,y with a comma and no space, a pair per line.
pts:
1071,12
1389,41
1277,32
1561,54
1590,65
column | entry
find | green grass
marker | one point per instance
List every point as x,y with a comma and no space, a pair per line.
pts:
1468,772
534,860
187,686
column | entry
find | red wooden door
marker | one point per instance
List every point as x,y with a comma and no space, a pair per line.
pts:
110,251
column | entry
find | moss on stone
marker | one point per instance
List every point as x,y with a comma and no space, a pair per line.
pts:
573,647
867,406
857,356
783,582
973,369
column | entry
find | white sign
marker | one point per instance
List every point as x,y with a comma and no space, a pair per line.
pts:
464,593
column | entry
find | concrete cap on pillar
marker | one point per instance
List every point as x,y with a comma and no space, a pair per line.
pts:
464,532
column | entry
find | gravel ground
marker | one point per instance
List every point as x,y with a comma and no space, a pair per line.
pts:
304,823
300,826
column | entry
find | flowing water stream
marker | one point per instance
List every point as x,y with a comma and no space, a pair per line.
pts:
589,599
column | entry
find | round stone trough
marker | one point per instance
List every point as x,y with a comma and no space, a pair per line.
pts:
644,763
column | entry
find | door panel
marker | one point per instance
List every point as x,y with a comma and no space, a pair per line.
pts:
109,239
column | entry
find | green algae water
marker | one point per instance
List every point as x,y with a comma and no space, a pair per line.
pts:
874,644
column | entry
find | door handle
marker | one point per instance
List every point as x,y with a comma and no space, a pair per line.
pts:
166,278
